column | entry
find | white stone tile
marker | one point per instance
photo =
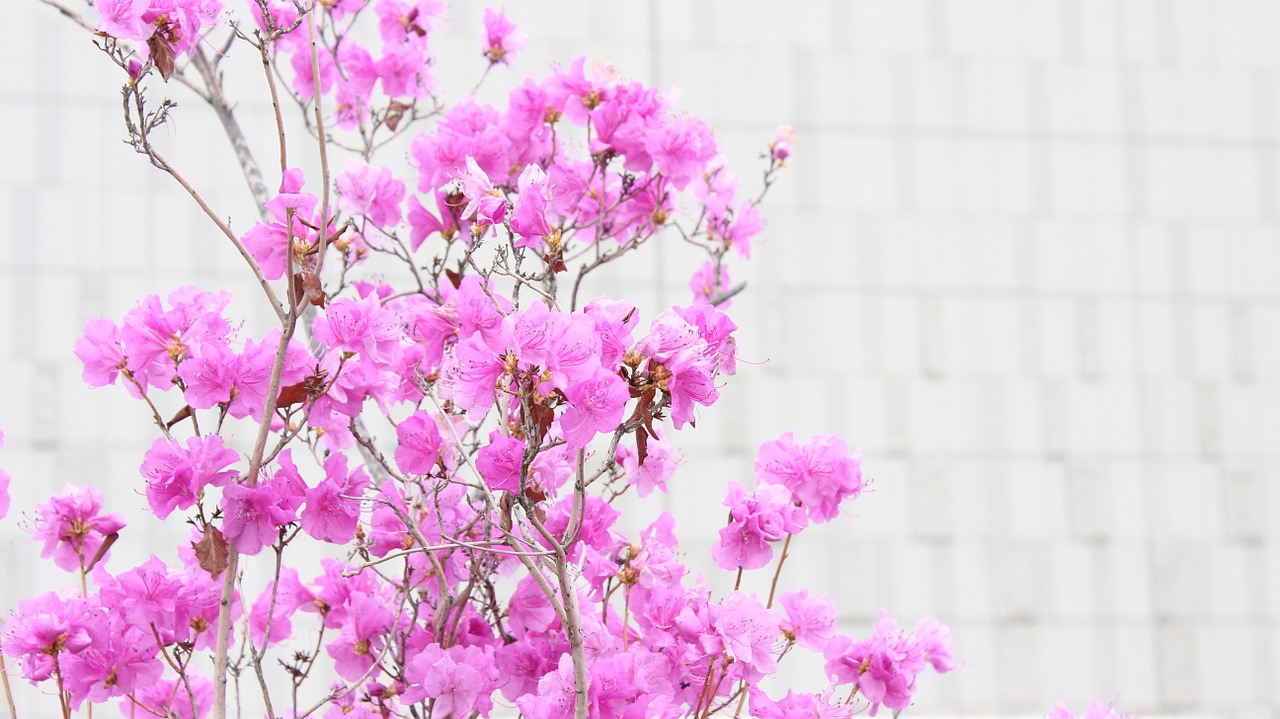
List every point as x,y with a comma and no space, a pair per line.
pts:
1179,579
1085,99
1127,573
1088,179
1034,492
995,96
935,94
1099,32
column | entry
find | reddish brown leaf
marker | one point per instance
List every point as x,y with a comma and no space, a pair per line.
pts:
642,444
291,395
454,277
312,289
161,55
107,541
646,411
534,494
555,260
395,113
297,288
181,415
211,551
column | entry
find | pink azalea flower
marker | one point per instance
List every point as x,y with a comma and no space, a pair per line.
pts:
289,595
419,446
210,377
332,507
691,381
716,330
595,405
469,129
252,516
72,528
820,475
522,664
119,663
478,314
756,520
615,321
706,284
934,640
529,217
459,680
48,628
501,37
659,464
122,19
376,194
500,462
175,476
405,72
578,96
780,145
469,376
101,352
400,21
486,204
748,631
303,77
363,326
526,332
746,224
157,340
361,638
883,668
148,595
157,697
555,696
573,349
681,149
422,224
810,619
253,372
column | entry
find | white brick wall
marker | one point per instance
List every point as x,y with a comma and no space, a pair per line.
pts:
1049,229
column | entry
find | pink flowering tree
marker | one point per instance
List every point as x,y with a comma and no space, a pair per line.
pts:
445,413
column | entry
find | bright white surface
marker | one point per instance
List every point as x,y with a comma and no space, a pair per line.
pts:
1027,258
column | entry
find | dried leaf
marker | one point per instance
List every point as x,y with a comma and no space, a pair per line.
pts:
395,113
312,289
454,278
182,414
291,395
534,494
211,551
107,541
646,411
642,445
161,55
555,260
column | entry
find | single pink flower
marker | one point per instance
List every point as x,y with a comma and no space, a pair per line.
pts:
72,528
419,447
373,193
500,462
501,37
595,405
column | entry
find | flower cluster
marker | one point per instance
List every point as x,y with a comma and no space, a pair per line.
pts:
446,415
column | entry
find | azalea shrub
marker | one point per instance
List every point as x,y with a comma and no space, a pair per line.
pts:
403,499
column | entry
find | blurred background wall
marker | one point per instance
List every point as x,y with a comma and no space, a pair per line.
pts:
1026,257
